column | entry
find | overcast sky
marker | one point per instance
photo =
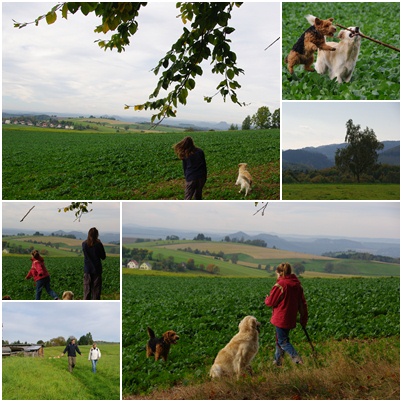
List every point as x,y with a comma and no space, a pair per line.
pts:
105,216
34,321
346,219
306,124
59,68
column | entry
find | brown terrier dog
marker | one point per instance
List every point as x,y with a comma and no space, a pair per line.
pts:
160,346
311,40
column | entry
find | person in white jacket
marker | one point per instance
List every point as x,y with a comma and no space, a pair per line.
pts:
94,356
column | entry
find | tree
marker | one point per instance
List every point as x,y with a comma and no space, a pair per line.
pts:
276,119
299,268
233,127
207,38
329,267
246,125
361,154
262,119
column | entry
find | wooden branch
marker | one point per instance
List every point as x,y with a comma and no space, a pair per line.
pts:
367,37
272,43
27,213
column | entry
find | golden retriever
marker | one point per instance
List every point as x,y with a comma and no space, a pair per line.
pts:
236,356
68,295
244,179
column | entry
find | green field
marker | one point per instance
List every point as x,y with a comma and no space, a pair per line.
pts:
251,256
377,72
66,273
41,378
355,191
205,313
60,164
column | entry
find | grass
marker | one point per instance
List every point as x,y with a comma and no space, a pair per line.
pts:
27,378
342,371
341,191
377,72
348,370
143,166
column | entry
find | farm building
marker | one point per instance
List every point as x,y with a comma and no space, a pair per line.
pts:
146,266
133,264
25,350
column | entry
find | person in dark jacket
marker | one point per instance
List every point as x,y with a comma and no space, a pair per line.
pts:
72,349
287,300
40,275
94,253
194,167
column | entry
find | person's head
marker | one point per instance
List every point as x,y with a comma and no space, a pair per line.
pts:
36,256
185,148
93,235
283,269
72,341
94,346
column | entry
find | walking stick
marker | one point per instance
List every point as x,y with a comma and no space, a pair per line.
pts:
311,344
374,40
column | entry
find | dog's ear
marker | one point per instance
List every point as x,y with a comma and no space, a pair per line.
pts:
330,19
341,34
317,21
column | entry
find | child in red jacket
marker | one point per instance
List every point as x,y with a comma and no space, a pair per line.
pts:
286,299
40,275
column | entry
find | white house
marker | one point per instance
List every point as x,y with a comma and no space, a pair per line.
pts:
146,266
133,264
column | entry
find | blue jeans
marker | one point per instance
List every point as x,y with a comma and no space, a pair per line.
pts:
283,345
94,365
44,283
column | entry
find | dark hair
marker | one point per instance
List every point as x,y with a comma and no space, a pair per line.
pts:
36,256
93,235
284,269
185,148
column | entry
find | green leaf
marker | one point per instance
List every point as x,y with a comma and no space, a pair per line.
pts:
51,17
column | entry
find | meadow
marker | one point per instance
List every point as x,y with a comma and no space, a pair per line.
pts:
59,164
357,191
376,76
47,378
66,273
251,257
354,324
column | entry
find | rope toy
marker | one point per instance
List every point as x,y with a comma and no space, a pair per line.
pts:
367,37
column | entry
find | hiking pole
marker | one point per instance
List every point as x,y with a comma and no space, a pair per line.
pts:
372,39
311,344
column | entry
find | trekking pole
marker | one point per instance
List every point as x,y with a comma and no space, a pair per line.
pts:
311,344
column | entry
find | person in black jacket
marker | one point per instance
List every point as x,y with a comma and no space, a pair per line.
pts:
94,252
194,167
72,349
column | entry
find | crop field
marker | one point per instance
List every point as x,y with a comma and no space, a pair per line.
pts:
356,191
47,378
377,71
50,164
66,273
205,313
249,257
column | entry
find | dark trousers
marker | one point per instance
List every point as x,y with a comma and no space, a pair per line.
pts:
194,189
44,283
92,286
71,363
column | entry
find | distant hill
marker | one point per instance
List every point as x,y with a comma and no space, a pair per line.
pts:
308,244
322,157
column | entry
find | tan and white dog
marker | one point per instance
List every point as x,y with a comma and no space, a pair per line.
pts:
237,355
341,63
244,179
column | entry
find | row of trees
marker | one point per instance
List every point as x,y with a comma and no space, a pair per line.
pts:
58,341
261,120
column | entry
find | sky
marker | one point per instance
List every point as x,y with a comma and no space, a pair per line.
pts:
59,68
346,219
105,216
33,321
311,124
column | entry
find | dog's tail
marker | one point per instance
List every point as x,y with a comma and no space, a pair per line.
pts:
151,333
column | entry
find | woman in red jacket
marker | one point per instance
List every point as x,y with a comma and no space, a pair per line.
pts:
286,299
40,275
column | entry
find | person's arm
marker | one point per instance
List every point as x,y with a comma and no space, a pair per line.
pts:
102,252
78,349
303,310
275,296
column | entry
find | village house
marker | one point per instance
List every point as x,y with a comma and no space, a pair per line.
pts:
146,266
133,264
23,350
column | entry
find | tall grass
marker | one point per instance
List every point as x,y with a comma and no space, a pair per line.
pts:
36,378
342,370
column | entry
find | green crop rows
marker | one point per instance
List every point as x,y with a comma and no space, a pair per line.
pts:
377,71
40,164
66,273
205,313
